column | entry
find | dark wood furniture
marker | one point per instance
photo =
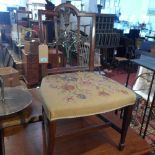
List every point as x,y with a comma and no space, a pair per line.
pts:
59,32
30,68
53,59
107,39
103,141
65,84
20,100
50,126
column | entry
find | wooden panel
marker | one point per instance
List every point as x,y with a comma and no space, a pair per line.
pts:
31,68
53,59
10,76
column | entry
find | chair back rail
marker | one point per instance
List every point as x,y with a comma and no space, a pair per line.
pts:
77,47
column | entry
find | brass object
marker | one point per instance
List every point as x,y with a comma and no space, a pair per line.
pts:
15,100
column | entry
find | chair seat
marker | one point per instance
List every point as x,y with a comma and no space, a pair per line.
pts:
80,94
121,58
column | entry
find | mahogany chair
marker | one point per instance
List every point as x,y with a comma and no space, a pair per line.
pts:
74,90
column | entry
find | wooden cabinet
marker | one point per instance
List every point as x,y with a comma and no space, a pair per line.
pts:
30,68
53,62
106,37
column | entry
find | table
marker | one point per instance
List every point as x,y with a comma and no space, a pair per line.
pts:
82,94
149,63
15,100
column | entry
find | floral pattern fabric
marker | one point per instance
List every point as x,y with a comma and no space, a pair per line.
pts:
82,93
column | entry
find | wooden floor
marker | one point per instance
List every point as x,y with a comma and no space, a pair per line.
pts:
27,140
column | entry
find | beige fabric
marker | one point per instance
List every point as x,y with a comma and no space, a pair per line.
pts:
121,58
82,94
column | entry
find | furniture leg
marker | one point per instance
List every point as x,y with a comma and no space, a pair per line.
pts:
148,119
2,149
49,131
128,76
43,117
43,132
125,125
22,118
51,137
147,102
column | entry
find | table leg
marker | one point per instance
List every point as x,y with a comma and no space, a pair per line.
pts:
148,119
2,151
128,76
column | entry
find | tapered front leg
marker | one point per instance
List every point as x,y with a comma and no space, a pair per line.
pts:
125,124
2,148
51,129
49,133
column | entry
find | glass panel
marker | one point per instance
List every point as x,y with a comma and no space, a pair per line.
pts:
72,41
85,33
67,37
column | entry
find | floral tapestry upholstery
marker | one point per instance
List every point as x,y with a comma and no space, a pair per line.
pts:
79,94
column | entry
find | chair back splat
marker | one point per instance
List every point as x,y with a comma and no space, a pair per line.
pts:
71,48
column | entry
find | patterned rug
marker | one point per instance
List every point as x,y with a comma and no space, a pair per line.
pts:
137,122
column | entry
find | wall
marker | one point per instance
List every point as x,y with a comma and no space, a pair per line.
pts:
152,17
134,11
13,3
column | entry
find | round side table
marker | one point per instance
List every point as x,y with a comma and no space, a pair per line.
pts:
15,100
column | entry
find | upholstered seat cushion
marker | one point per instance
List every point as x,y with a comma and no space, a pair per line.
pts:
79,94
121,58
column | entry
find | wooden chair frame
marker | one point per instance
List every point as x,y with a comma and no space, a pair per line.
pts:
49,127
79,14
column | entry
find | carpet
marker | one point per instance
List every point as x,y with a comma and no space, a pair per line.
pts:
136,123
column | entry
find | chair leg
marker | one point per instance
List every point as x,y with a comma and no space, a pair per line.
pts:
2,147
49,131
51,137
125,124
43,117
